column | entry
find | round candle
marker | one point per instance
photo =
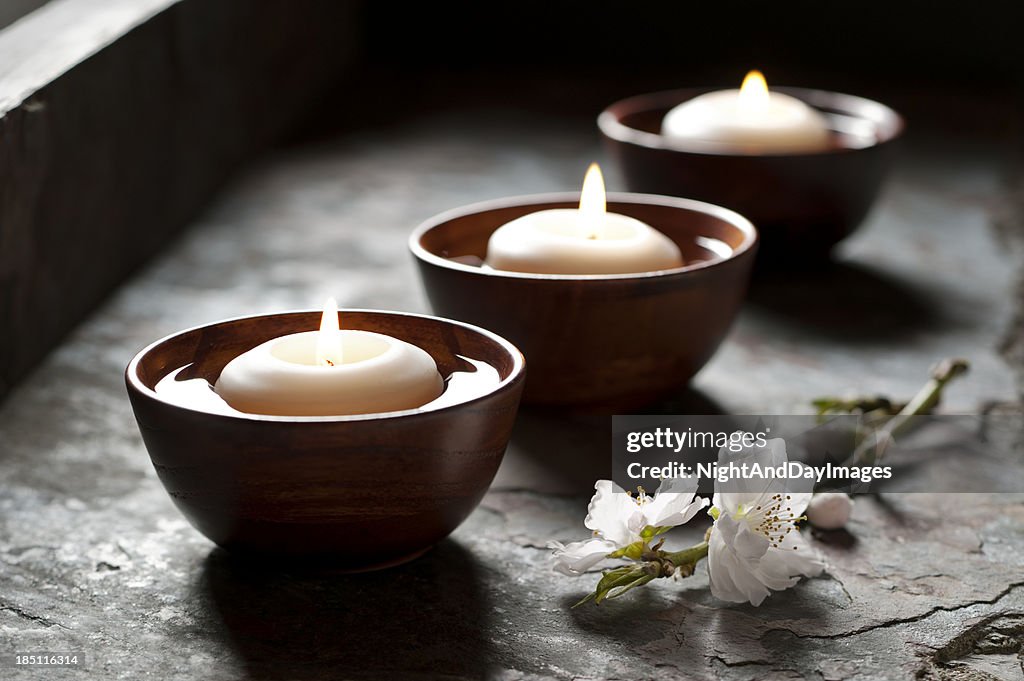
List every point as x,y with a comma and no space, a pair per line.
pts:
750,120
589,240
330,372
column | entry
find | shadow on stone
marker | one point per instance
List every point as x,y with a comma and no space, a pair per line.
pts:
848,302
689,401
636,618
893,514
419,620
572,450
840,539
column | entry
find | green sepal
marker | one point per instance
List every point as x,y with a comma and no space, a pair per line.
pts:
651,531
634,551
616,582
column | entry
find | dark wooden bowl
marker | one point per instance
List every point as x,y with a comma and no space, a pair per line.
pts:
356,492
596,341
802,204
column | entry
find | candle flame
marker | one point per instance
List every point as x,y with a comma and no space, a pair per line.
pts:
328,341
593,204
754,92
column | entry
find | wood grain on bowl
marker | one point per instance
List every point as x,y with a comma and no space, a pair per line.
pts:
596,341
354,492
802,203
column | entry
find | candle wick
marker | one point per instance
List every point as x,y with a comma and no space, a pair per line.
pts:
329,362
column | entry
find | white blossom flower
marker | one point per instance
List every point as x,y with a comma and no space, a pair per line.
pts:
620,517
829,510
619,520
755,546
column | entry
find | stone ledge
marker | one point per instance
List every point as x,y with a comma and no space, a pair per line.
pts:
118,120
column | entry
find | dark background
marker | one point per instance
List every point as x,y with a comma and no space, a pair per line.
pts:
145,127
576,57
918,42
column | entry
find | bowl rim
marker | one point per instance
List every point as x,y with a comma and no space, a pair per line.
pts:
745,226
516,375
611,126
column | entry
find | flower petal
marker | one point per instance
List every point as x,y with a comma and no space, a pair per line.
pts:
743,566
611,513
743,563
747,581
726,527
749,545
731,580
798,502
673,503
739,495
797,557
722,586
576,558
753,490
772,454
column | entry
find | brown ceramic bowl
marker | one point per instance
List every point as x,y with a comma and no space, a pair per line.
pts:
802,204
357,492
596,341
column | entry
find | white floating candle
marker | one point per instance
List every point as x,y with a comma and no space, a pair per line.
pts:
586,241
330,372
750,120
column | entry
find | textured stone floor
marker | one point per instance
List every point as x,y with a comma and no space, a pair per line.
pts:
94,557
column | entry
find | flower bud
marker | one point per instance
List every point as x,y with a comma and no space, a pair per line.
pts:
829,510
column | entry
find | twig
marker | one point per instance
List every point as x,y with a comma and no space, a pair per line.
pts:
871,450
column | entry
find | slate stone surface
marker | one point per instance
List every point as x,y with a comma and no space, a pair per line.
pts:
95,558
